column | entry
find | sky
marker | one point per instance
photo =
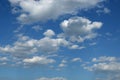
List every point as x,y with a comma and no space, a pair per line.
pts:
59,40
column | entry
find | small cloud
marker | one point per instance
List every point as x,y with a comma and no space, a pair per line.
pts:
76,60
104,10
49,33
108,34
92,44
38,60
3,59
18,29
37,28
63,63
55,78
76,47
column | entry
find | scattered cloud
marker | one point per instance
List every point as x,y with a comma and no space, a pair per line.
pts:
76,60
3,59
108,67
92,44
38,60
26,45
104,58
55,78
104,10
37,28
108,34
49,33
75,30
76,47
63,63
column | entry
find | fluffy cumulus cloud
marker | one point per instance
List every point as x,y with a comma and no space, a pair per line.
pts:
41,10
74,30
80,29
34,46
55,78
38,60
49,33
25,45
108,67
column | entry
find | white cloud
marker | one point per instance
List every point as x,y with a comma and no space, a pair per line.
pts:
49,33
54,44
107,67
77,60
92,44
3,63
20,47
104,58
55,78
104,63
37,28
63,63
76,29
25,45
3,59
76,47
41,10
104,10
80,29
39,60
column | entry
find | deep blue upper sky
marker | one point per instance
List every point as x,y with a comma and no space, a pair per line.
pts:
30,48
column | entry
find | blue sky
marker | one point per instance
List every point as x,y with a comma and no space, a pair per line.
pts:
59,40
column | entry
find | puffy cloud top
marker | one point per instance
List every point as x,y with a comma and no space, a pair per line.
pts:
38,60
80,29
49,33
41,10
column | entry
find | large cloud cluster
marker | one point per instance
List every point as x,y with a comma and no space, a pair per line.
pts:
42,10
30,46
74,30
